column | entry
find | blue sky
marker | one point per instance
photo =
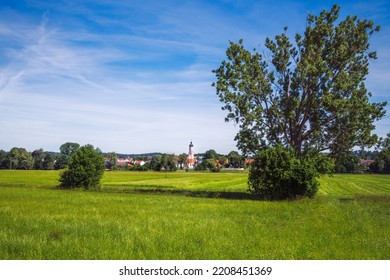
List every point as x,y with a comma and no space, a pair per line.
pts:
135,76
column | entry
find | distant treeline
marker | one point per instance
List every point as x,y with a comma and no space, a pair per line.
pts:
20,158
377,161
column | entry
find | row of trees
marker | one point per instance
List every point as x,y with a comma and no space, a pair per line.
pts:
347,162
20,158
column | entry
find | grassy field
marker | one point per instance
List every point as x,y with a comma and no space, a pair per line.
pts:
190,216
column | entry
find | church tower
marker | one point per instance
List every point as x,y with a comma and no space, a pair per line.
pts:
191,157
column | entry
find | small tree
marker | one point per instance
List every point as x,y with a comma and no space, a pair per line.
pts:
48,162
235,160
182,159
112,159
85,169
38,158
155,164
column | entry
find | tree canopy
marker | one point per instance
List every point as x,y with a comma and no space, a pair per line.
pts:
85,169
307,94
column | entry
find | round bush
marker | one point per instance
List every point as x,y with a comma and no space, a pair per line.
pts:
85,169
277,173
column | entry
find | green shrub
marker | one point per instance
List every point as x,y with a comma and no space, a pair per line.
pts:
85,169
382,162
278,173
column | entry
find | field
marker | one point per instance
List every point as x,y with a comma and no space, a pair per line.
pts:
188,215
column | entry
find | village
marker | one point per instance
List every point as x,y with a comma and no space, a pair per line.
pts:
210,160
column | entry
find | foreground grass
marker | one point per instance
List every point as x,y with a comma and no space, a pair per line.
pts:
349,219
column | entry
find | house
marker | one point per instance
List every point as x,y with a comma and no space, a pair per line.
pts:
139,162
365,163
123,161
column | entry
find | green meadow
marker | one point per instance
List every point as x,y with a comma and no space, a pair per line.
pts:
189,215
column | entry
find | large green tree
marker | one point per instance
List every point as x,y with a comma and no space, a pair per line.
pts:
306,94
38,157
69,148
85,169
182,160
66,151
20,158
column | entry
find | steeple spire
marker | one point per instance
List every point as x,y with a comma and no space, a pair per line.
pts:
191,157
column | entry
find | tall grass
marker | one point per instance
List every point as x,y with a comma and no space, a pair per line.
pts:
349,219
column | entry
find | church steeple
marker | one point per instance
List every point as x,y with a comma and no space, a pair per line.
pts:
191,157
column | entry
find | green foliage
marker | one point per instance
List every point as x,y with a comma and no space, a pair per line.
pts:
66,151
164,162
211,154
111,161
182,160
69,148
48,162
278,173
155,164
168,162
384,143
61,161
348,162
382,159
208,164
382,162
308,94
85,169
236,160
20,158
4,161
38,157
138,167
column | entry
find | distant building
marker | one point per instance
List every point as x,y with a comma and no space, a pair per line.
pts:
139,162
191,157
365,163
123,161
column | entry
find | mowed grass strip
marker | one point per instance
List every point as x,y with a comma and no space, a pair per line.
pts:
44,223
347,185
